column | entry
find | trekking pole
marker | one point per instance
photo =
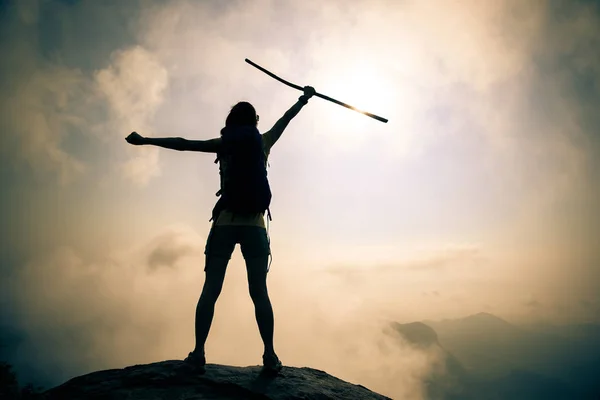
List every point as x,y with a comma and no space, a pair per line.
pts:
272,75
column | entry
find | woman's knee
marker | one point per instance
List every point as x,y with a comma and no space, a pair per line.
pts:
258,292
212,287
210,294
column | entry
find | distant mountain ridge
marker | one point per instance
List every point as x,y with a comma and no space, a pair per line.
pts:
447,378
417,333
474,324
487,357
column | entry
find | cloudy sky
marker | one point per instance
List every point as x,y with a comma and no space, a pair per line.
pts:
481,193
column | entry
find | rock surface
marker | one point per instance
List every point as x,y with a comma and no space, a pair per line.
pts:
176,380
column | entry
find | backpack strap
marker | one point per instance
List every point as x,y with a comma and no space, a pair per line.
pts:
216,210
269,242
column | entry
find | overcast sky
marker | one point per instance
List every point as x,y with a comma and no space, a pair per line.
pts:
481,193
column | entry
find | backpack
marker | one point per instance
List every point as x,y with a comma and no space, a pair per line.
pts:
242,165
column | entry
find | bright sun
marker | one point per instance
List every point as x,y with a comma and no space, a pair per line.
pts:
359,85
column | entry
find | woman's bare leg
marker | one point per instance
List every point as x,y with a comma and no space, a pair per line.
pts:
215,275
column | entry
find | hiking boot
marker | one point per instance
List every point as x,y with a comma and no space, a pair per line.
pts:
271,364
196,360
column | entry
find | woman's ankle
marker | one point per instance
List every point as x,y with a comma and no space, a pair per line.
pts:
269,351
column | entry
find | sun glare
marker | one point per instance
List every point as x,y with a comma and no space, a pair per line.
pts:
361,86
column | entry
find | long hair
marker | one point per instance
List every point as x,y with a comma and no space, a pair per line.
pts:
241,114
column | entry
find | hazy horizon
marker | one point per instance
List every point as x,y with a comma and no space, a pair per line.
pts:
481,193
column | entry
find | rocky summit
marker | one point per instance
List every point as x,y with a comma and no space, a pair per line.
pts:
177,380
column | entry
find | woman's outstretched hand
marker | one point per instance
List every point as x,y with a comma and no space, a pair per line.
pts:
135,139
309,92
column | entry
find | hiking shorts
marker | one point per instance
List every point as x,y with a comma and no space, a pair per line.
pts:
253,240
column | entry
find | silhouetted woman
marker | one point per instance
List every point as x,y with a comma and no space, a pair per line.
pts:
229,228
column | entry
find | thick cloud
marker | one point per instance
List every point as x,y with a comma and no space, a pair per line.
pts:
81,315
171,247
133,86
492,142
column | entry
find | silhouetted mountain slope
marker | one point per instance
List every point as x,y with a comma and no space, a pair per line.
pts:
176,380
491,347
447,378
481,322
522,385
417,333
502,360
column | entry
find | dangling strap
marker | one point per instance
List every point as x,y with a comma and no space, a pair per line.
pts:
216,211
269,240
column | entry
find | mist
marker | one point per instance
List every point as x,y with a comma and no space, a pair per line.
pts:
135,307
480,194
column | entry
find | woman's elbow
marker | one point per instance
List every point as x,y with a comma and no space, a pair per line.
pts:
182,144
